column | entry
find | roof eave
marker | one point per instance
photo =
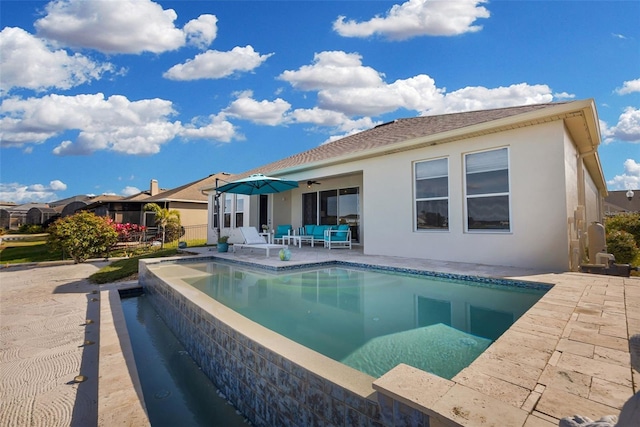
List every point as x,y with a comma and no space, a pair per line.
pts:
584,108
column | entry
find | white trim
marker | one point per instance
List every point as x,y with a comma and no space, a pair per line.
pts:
415,197
466,196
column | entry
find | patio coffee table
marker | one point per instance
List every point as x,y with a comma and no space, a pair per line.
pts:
297,240
305,239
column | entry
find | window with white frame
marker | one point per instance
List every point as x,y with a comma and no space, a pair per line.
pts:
487,190
228,204
432,194
239,211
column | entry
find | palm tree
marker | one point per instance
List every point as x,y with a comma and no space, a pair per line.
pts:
164,217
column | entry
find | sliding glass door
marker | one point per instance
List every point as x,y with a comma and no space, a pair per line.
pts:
333,207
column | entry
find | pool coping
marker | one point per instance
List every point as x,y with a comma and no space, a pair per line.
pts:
579,330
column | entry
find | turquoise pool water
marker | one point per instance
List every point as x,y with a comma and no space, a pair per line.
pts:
371,320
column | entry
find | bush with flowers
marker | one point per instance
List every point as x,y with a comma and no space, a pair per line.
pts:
128,232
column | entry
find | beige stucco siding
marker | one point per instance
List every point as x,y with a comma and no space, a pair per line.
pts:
190,214
538,235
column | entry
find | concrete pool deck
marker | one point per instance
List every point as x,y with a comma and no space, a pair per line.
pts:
568,355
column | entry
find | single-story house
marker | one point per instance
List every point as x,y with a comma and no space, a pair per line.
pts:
514,186
622,201
187,199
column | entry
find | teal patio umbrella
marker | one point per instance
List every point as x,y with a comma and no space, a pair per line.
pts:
251,185
257,184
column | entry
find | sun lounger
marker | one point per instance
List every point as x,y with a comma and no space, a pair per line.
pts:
253,240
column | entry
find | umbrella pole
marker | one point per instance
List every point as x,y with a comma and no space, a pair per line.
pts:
217,208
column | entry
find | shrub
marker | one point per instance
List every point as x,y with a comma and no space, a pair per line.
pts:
127,232
173,231
30,229
629,222
83,235
622,245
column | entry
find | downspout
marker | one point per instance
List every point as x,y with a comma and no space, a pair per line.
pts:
581,189
582,226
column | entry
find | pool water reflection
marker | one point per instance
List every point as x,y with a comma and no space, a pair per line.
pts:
371,320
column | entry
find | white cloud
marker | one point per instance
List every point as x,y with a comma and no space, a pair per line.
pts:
344,85
213,64
264,112
340,121
201,32
563,95
630,178
123,26
481,98
57,185
216,128
627,129
416,93
28,62
35,193
333,69
113,124
628,87
129,191
418,18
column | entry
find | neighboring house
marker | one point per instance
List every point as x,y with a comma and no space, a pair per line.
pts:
513,186
187,199
12,217
617,202
42,215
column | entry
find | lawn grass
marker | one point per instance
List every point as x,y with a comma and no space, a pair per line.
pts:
124,269
31,250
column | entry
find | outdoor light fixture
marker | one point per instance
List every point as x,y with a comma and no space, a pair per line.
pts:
310,183
629,195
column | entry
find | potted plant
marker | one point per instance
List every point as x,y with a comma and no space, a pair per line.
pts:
223,245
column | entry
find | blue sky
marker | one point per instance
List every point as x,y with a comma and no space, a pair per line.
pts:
100,97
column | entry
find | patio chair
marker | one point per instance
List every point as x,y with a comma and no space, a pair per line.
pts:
253,240
339,237
282,231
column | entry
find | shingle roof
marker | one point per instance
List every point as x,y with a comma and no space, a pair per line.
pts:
395,132
189,192
618,200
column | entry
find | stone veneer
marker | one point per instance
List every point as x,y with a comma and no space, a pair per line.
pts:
270,379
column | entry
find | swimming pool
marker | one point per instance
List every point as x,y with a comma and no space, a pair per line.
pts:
273,380
371,320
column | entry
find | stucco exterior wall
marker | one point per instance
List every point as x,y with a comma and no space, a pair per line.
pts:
571,163
191,214
538,236
592,200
